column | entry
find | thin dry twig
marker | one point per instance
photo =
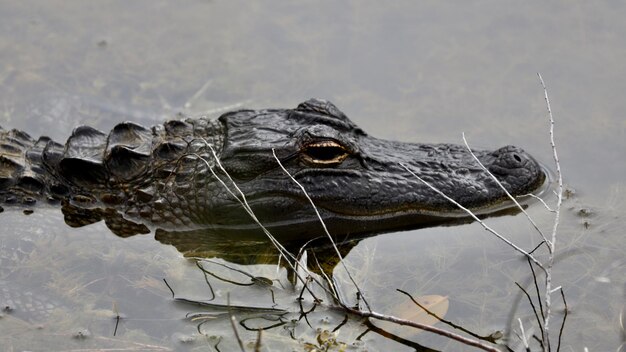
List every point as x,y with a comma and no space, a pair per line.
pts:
198,93
488,338
519,206
523,335
530,265
551,243
532,305
429,328
565,310
557,213
257,344
244,203
233,324
545,205
333,293
325,229
482,223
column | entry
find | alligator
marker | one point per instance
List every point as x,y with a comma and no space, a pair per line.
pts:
172,176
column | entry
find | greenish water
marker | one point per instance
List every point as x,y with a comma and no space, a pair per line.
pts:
420,72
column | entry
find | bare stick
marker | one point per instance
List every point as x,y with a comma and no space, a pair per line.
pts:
257,344
329,282
530,265
287,254
532,305
197,94
540,200
428,328
559,192
519,206
524,339
233,324
325,229
244,203
565,310
557,213
447,322
482,223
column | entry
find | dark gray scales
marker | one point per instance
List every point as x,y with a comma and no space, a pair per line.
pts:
137,178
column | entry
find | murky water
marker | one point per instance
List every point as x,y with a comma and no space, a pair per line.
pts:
406,71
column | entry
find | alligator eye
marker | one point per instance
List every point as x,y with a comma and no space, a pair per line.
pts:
326,152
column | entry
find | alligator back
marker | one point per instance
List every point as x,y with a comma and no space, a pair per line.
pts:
23,177
99,176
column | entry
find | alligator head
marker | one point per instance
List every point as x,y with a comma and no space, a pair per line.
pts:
357,182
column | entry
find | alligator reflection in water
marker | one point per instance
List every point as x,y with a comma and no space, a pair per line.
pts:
249,249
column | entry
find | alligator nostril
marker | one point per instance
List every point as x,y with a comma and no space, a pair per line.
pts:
517,157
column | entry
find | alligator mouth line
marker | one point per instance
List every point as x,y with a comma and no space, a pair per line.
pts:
500,204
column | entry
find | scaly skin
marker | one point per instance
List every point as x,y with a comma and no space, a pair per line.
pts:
136,178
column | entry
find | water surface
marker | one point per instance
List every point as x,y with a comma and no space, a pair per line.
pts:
406,71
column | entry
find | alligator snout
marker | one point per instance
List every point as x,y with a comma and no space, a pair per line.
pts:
512,157
513,166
